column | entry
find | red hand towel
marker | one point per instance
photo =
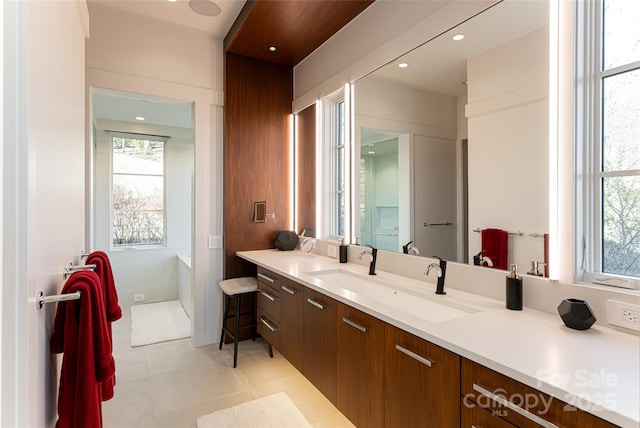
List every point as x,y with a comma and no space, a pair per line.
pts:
103,269
494,244
113,311
80,332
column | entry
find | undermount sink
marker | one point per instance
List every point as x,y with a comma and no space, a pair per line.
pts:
392,295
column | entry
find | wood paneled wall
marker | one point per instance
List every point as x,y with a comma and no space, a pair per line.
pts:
307,168
258,98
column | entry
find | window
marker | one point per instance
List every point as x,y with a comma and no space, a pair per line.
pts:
138,191
336,167
611,135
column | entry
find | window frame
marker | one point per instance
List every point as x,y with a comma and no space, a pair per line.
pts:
589,148
149,137
335,139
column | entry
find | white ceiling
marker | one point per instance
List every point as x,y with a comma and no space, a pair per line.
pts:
124,107
440,65
178,13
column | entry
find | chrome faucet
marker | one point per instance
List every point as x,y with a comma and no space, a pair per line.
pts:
409,248
442,270
374,255
486,260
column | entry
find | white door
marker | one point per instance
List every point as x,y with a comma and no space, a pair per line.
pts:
435,196
43,191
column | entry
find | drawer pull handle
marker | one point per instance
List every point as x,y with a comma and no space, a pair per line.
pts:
267,295
504,402
266,278
267,324
316,304
288,290
355,324
415,356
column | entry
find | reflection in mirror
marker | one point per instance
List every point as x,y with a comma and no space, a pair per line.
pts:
260,212
457,141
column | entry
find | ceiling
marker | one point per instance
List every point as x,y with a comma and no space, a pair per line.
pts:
295,27
179,13
440,65
124,107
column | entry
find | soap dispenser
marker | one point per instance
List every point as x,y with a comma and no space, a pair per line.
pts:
514,289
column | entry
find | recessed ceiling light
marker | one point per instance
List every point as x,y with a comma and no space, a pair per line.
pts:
205,7
458,37
273,48
371,152
140,118
403,65
172,1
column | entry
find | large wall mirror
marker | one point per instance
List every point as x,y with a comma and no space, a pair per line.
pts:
452,139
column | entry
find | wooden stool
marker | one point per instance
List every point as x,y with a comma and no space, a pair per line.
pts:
237,287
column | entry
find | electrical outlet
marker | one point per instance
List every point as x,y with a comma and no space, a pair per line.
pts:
331,250
630,316
138,297
623,314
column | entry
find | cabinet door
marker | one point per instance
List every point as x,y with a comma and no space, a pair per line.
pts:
527,407
360,341
291,331
422,382
320,342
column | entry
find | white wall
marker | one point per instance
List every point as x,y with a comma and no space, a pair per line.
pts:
152,271
508,133
43,192
133,54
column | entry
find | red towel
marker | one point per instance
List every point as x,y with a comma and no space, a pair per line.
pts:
80,332
494,244
112,309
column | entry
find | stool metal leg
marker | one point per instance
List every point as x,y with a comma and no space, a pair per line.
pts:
236,332
224,319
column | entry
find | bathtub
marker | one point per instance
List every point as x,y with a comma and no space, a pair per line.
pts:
184,284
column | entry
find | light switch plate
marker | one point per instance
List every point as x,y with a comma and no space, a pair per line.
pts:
215,241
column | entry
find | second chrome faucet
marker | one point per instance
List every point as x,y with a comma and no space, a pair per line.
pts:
374,255
442,270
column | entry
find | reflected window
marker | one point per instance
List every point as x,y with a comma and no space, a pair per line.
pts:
335,165
138,191
611,243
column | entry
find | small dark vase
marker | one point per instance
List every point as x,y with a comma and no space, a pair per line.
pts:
576,314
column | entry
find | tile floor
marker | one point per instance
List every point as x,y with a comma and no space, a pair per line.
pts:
171,384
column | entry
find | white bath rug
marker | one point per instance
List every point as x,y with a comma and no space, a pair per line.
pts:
158,322
274,411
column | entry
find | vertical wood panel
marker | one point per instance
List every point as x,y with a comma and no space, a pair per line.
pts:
307,168
258,99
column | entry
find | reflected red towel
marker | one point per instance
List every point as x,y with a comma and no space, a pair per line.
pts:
80,332
495,246
112,308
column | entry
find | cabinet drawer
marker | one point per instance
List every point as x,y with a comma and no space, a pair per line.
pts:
474,416
518,403
268,328
269,301
269,278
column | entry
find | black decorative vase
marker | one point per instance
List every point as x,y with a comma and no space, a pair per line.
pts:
576,314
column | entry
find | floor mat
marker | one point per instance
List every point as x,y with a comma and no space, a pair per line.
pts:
158,322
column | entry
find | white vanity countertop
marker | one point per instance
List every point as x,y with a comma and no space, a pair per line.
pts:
597,370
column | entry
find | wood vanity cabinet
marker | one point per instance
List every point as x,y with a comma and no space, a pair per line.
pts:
422,382
481,385
360,366
319,335
268,306
291,323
